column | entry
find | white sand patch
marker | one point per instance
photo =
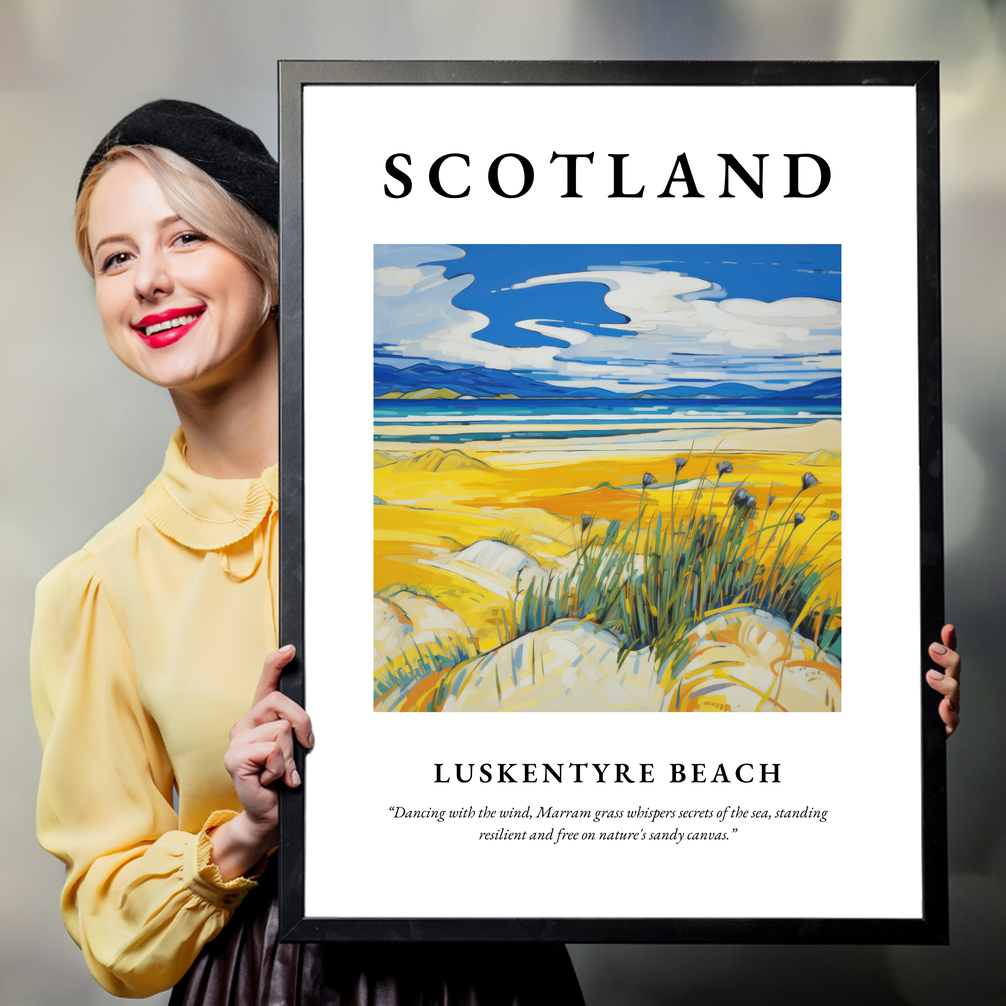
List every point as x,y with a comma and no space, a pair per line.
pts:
745,660
825,435
748,660
415,634
492,565
568,666
692,484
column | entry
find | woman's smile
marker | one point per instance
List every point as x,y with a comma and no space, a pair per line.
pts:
166,327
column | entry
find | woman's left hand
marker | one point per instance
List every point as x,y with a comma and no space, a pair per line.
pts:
948,681
260,754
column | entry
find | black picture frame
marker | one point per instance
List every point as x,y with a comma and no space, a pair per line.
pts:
931,927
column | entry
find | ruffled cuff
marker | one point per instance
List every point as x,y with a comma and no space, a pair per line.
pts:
203,878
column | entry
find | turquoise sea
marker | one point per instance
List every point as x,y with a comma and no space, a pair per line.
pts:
560,419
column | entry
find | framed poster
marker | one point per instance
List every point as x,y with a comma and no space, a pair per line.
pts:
568,416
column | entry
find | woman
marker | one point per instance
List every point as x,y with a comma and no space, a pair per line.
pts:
148,643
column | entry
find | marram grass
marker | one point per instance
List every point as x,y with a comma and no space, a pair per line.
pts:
652,580
417,661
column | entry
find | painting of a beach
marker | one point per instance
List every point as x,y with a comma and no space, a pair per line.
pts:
607,477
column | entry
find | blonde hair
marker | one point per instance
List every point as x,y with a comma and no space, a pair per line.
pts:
199,200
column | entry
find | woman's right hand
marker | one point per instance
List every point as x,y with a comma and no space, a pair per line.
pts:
260,753
948,681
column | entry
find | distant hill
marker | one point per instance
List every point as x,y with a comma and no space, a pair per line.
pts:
439,461
423,393
479,382
716,391
426,381
830,387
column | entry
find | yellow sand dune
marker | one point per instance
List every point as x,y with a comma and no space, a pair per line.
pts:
441,501
822,458
438,460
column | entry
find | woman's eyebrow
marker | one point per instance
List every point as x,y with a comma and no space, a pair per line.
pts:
160,225
109,240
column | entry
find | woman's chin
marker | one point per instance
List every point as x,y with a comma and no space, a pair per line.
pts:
175,373
197,365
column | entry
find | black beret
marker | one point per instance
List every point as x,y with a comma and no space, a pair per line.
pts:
230,154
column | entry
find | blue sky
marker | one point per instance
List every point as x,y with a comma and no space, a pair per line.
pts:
627,318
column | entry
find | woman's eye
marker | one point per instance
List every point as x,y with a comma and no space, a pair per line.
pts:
190,238
114,261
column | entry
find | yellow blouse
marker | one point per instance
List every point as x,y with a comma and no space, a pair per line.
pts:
147,647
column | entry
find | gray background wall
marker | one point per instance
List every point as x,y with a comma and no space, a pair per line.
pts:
81,436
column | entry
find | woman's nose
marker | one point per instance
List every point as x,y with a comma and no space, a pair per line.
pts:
152,277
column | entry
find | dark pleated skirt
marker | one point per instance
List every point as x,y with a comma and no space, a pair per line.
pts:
246,965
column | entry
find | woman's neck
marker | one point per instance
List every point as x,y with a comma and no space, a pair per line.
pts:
231,426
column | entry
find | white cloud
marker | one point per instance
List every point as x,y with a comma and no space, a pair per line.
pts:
643,294
810,312
665,339
392,281
574,336
652,303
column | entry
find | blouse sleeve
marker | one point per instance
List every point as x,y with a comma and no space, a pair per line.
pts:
141,898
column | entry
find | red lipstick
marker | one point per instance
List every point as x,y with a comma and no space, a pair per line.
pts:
165,333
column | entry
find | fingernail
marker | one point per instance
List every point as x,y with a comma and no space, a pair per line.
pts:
938,648
295,777
286,649
310,740
936,675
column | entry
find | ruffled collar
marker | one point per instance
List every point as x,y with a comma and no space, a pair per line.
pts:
203,513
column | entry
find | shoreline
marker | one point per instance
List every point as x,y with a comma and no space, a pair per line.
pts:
745,438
